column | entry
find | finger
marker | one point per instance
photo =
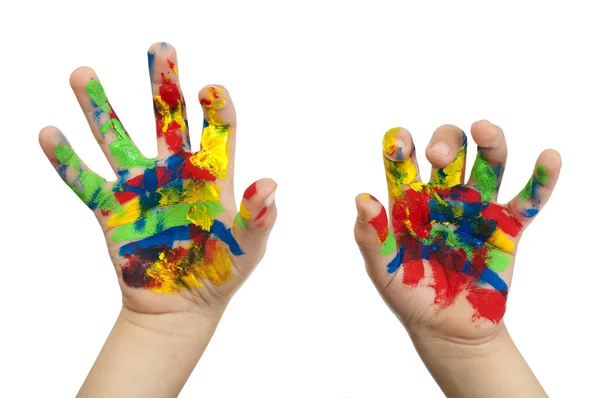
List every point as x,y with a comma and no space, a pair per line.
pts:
400,160
446,152
491,159
169,104
91,188
376,240
218,134
118,147
255,220
527,204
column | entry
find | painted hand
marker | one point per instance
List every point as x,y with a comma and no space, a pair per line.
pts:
446,262
170,223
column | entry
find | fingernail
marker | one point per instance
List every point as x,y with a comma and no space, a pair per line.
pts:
270,199
441,147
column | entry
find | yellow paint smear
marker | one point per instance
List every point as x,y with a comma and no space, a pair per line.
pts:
130,213
390,145
169,115
452,172
501,241
244,212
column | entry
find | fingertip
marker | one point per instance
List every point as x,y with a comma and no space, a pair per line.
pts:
367,206
160,46
548,167
445,143
397,144
486,134
49,137
208,94
80,76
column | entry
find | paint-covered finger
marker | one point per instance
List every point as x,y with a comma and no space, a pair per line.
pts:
169,105
447,152
254,222
400,160
527,204
490,161
375,240
118,147
218,134
90,187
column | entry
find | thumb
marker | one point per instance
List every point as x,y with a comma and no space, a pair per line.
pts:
376,240
255,220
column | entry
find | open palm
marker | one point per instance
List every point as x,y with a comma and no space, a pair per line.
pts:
445,261
170,223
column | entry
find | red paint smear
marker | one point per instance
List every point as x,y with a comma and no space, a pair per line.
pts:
169,92
124,196
380,223
488,303
250,191
412,208
506,221
191,171
205,101
105,213
171,64
214,91
173,138
414,272
261,213
447,285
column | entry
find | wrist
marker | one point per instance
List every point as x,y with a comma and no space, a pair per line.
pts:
438,347
491,367
149,355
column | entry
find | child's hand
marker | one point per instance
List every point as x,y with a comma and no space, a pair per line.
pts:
445,262
170,222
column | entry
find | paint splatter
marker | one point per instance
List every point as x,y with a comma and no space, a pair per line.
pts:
165,218
169,110
464,237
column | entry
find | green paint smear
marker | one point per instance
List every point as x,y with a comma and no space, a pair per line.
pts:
125,153
498,260
527,192
486,180
240,221
449,237
66,155
157,222
389,245
96,92
88,186
541,174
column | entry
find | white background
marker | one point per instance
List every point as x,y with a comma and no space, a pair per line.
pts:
316,84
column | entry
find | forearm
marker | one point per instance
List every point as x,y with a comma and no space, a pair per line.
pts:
149,355
492,369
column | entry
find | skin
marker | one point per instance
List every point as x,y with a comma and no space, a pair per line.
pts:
159,337
458,345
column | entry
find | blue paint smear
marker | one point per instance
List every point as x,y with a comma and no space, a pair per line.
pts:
164,238
529,213
62,171
399,154
140,224
93,203
96,114
151,57
219,230
396,261
491,277
535,192
164,45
